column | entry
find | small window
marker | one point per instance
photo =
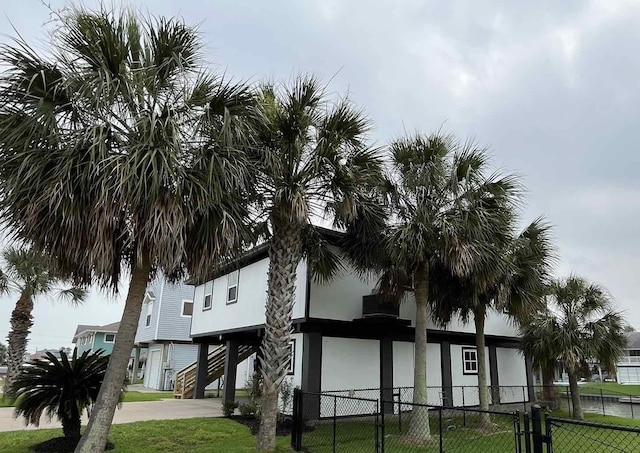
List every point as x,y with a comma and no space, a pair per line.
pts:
109,338
147,321
469,361
292,357
187,308
232,287
208,296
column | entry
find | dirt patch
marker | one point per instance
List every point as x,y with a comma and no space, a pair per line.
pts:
61,445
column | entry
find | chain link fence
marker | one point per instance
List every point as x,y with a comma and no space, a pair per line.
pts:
575,436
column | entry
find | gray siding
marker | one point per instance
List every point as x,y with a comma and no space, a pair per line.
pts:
167,324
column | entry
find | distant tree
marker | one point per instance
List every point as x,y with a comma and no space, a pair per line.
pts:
32,275
3,354
60,388
578,324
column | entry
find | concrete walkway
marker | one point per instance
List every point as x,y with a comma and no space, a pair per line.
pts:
169,409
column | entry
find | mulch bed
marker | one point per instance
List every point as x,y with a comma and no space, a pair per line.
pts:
61,445
283,428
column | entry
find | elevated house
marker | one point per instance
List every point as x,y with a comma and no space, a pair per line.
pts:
92,338
628,368
344,339
163,329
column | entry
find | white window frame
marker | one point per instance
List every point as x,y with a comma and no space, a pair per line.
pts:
149,316
233,281
186,301
467,368
207,293
292,357
107,334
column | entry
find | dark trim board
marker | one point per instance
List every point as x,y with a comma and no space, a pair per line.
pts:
369,329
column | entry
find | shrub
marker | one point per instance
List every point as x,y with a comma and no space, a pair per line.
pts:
229,408
247,410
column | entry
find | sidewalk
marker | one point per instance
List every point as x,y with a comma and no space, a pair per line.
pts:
169,409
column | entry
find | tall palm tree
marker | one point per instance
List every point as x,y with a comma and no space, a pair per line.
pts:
511,279
60,387
439,216
313,162
579,323
118,157
31,274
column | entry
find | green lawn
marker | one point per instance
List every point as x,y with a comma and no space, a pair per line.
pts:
129,397
198,435
609,388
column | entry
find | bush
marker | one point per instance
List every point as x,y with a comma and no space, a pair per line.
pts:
229,408
247,410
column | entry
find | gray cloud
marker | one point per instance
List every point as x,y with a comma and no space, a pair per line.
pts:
551,87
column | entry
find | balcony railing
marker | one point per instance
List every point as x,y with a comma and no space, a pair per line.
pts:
629,359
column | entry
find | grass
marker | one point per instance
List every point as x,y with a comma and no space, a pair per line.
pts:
129,397
609,388
198,435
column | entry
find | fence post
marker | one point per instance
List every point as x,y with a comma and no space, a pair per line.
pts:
380,435
568,401
602,401
548,437
524,399
335,405
536,421
527,433
400,411
440,428
631,404
464,413
295,434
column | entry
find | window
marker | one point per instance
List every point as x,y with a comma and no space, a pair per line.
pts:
232,287
109,338
292,357
469,361
187,307
147,321
208,296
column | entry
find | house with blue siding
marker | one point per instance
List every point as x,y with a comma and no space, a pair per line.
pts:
92,338
164,329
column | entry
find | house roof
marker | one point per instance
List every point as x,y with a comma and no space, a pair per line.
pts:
253,255
108,328
633,340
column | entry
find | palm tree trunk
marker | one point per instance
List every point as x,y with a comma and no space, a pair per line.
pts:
21,322
284,256
97,432
483,387
71,427
575,395
548,389
419,424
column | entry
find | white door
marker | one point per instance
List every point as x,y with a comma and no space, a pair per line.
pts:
153,369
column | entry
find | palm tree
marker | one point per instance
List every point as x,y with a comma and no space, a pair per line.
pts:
313,161
32,275
512,278
118,157
439,218
579,323
60,388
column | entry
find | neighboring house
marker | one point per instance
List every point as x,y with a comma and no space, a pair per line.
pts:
42,353
92,338
345,340
628,368
164,328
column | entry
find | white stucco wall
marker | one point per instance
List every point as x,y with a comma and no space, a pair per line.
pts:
512,375
403,360
459,379
350,364
340,299
249,309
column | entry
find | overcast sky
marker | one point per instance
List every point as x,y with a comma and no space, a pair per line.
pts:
552,88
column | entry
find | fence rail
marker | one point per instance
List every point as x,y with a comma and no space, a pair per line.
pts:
331,422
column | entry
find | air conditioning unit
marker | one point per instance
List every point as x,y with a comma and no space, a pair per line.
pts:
374,307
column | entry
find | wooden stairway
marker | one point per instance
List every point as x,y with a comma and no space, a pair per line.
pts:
185,382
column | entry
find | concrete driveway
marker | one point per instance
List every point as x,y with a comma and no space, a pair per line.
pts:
169,409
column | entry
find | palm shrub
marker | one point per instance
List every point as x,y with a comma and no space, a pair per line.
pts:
121,155
60,388
577,324
32,274
312,161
